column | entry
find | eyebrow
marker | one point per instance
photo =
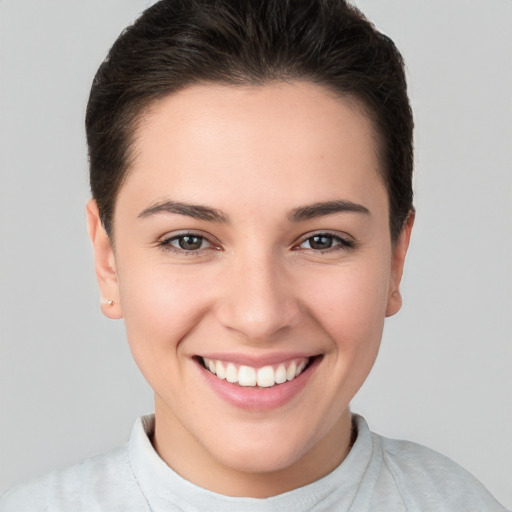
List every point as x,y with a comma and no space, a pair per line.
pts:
206,213
195,211
326,208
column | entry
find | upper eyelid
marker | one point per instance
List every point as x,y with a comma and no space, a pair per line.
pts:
341,236
177,237
187,232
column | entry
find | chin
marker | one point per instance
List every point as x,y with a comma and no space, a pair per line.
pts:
262,454
261,463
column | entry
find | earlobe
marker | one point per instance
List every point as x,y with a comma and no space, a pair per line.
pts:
394,303
397,266
104,262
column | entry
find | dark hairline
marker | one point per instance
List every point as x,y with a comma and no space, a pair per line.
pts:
177,43
140,115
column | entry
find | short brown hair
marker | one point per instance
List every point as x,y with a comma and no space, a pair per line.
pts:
176,43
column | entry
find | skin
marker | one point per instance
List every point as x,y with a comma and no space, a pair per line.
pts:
257,286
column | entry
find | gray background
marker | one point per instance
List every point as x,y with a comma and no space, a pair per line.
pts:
68,385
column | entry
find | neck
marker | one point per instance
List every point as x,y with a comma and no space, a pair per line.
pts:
187,457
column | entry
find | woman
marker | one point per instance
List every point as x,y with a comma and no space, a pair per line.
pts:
251,167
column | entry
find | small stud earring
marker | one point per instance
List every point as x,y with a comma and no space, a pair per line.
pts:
109,302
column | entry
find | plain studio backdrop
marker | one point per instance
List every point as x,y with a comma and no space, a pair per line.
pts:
69,387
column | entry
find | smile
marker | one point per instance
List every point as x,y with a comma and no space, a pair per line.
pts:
248,376
257,385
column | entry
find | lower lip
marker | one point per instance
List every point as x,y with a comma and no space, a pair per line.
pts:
259,399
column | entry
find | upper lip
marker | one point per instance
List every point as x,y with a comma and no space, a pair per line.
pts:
256,361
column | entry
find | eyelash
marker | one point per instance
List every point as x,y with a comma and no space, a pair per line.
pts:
340,243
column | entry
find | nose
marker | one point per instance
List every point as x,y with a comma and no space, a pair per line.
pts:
259,300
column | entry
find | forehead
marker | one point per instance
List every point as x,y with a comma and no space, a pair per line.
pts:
211,141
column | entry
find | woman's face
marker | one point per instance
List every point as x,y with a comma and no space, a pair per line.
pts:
251,239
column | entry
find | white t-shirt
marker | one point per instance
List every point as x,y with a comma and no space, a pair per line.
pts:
379,474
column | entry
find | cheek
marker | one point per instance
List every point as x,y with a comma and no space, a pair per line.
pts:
350,303
351,311
160,305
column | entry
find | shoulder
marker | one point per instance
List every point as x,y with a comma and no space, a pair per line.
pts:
426,478
102,482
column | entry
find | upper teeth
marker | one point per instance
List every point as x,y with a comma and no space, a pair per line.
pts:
263,377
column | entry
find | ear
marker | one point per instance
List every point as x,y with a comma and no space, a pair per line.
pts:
104,262
397,266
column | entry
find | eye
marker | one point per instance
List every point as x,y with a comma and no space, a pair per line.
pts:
186,243
325,242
